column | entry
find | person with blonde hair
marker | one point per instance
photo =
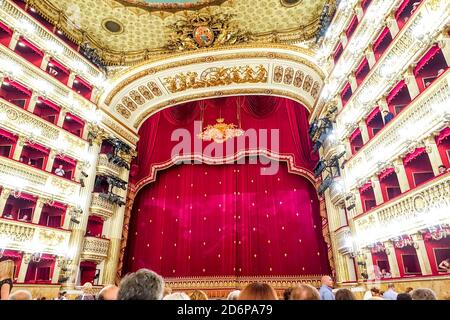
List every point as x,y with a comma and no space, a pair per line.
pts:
6,278
258,291
177,296
198,295
21,295
234,295
304,292
87,292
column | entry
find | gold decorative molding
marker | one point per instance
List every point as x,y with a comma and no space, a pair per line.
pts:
95,249
297,55
216,76
235,282
20,235
101,207
417,207
199,30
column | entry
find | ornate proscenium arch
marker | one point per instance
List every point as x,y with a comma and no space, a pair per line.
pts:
278,70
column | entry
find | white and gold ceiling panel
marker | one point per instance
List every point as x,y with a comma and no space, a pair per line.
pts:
141,31
146,89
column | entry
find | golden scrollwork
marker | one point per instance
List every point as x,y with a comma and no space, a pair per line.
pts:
216,76
203,30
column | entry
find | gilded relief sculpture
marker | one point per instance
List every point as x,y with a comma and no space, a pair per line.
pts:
216,76
202,31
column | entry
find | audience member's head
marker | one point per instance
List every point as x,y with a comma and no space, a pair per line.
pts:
423,294
21,295
344,294
408,290
404,296
442,169
177,296
143,284
258,291
109,292
375,292
198,295
391,286
305,292
87,288
234,295
327,281
287,294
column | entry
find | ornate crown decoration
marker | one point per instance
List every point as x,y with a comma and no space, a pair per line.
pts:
201,30
220,132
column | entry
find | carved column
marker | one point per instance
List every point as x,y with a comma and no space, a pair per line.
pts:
433,154
38,210
115,234
364,131
61,118
3,198
23,267
45,61
352,81
369,264
358,203
351,271
50,161
422,255
72,76
67,217
392,259
377,190
123,244
411,83
382,104
56,272
401,175
18,149
33,101
344,39
79,230
370,56
391,23
444,44
14,39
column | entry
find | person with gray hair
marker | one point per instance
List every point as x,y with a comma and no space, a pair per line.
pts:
234,295
177,296
21,295
423,294
143,284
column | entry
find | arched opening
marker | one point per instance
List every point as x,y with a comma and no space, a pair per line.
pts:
223,213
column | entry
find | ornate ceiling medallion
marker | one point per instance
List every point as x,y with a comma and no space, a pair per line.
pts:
200,30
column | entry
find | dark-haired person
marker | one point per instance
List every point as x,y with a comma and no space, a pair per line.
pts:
387,116
344,294
423,294
404,296
287,294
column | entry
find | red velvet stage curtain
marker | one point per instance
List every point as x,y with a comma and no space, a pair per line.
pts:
227,220
256,112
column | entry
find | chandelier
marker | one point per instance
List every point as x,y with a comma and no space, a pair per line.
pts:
221,131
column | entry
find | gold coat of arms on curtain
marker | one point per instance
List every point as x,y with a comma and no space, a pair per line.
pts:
201,30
